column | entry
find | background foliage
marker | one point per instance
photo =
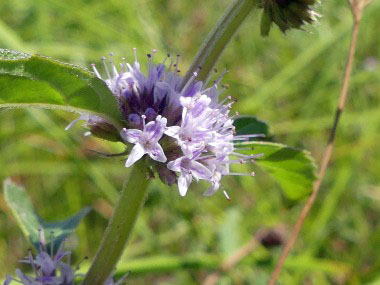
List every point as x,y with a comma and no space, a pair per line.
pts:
291,82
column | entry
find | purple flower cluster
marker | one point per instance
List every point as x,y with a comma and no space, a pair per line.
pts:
49,267
187,132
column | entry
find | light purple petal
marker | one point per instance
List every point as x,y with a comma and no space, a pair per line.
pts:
200,106
173,131
136,153
150,127
67,274
199,171
160,90
161,120
186,102
175,165
183,183
47,264
156,129
212,189
131,135
157,153
8,280
61,254
189,149
26,280
193,89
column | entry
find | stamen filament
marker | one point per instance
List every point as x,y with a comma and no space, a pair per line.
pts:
103,59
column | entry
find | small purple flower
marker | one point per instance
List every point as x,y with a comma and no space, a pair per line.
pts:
49,268
146,141
188,169
219,167
187,132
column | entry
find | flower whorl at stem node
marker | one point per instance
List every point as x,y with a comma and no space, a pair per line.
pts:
287,14
50,268
186,132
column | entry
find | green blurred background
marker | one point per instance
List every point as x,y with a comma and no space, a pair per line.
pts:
291,81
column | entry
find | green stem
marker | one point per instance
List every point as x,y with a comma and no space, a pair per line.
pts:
120,226
218,39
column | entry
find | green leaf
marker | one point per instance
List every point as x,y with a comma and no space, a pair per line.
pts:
265,23
37,81
293,169
30,222
248,125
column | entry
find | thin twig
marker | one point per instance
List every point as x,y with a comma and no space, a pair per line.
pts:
232,260
357,7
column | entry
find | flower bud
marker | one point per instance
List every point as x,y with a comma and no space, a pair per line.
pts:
286,14
104,130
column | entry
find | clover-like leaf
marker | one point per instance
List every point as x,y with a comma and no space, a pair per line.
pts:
31,223
37,81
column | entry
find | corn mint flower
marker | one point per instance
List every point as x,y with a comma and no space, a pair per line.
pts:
187,133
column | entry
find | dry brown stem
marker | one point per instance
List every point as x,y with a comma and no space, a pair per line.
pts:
357,7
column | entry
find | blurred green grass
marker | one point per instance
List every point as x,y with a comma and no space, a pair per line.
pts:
290,81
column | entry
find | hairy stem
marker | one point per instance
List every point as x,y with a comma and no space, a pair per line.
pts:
356,11
120,226
218,39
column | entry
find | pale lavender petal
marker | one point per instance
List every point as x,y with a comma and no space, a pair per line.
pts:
183,183
136,153
186,101
61,254
161,120
160,90
172,131
150,127
25,280
199,171
212,189
175,165
8,280
193,89
67,273
187,151
156,129
131,135
201,105
46,263
157,153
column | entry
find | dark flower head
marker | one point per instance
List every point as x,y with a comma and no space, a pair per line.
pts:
287,14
